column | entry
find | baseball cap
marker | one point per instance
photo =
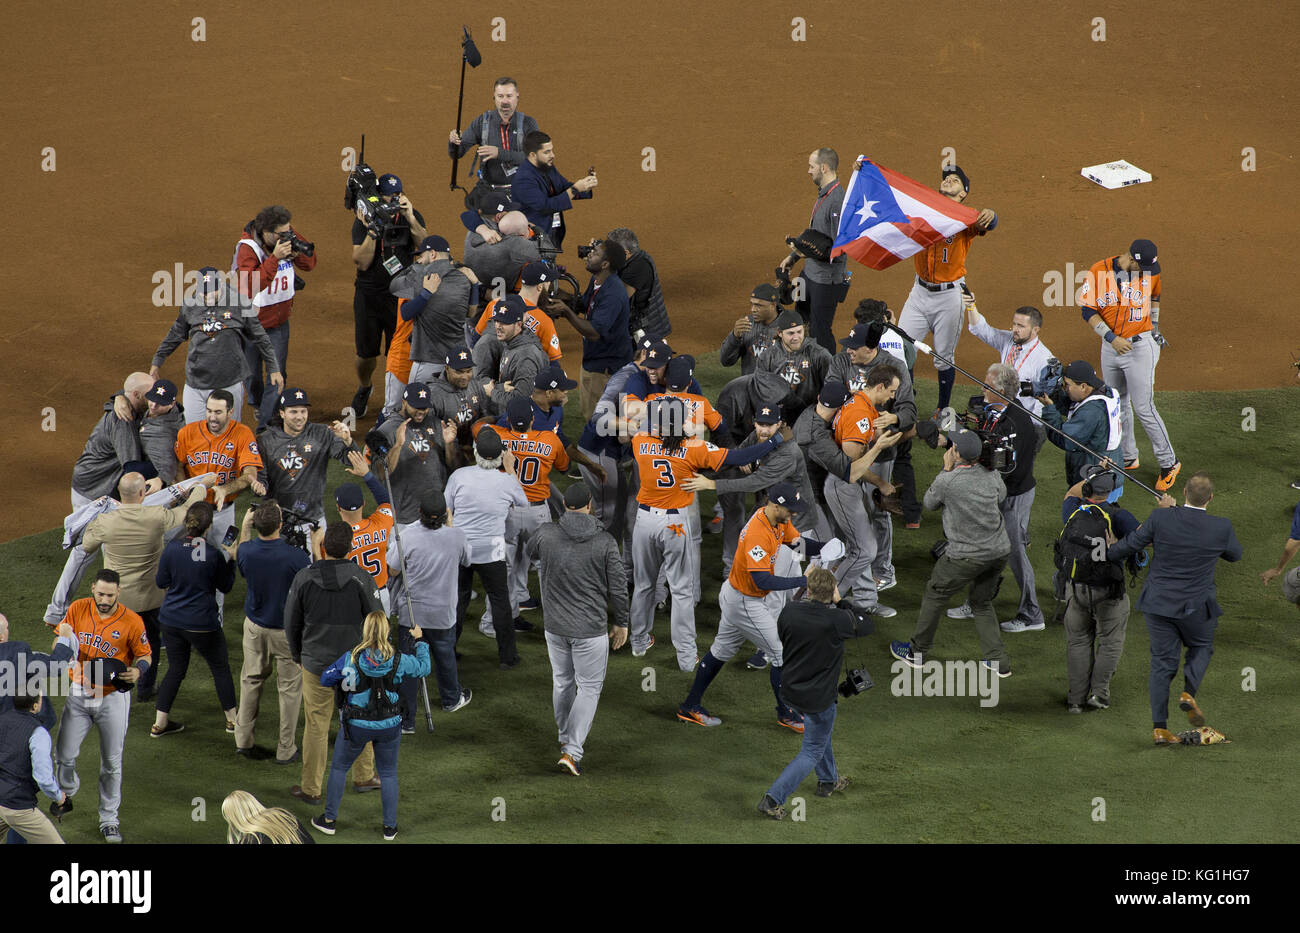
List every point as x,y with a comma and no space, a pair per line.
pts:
1082,371
833,394
956,170
294,398
519,413
433,503
390,184
785,494
509,311
966,443
1102,480
657,354
765,292
348,496
679,372
417,395
100,672
787,319
163,392
535,273
577,496
553,377
209,280
460,358
488,444
1144,251
863,335
767,414
435,243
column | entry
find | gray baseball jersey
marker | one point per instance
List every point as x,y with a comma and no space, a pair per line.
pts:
749,348
855,377
441,325
296,466
112,444
501,260
786,464
420,467
521,359
217,335
158,441
804,371
462,406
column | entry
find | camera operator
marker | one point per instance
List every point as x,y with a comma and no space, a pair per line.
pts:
297,454
379,254
755,333
1096,426
500,134
439,293
542,193
640,275
607,343
265,259
813,633
506,257
971,497
1014,426
220,327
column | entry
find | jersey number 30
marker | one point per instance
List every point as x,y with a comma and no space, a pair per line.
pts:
663,473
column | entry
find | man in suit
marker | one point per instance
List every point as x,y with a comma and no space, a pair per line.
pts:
1178,598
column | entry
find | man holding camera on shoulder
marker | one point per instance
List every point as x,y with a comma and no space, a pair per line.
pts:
1082,408
265,259
971,497
812,634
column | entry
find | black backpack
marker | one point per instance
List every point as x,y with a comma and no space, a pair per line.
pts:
1084,532
379,707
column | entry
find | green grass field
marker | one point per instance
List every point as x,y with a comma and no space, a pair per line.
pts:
924,769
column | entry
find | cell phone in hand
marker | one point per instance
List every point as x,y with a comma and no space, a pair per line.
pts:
229,539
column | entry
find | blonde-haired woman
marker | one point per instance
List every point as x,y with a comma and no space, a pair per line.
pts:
250,823
369,675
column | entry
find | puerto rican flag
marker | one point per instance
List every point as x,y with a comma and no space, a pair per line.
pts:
887,217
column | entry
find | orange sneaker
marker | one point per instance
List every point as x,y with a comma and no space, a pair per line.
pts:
1165,481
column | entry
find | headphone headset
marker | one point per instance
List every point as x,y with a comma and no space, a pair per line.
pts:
1089,475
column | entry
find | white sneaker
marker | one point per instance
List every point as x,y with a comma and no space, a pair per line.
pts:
487,630
465,696
882,585
1020,625
963,611
640,653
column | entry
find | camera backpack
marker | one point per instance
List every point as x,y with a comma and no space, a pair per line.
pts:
379,707
1074,550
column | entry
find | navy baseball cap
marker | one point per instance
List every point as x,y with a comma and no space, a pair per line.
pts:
956,170
163,392
767,414
519,413
863,335
433,503
535,273
1144,251
509,311
417,395
553,377
294,398
390,184
435,243
833,394
488,443
786,495
657,354
349,497
460,358
788,319
966,443
766,292
679,372
577,496
209,280
1082,371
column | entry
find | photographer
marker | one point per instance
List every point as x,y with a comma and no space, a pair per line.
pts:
812,634
265,259
379,251
640,275
439,293
755,333
607,343
971,497
1014,427
542,193
1096,426
500,134
297,454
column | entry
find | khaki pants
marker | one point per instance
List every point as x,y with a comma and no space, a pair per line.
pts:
591,386
318,706
34,826
261,647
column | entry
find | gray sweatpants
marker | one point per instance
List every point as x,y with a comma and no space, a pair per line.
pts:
1015,515
1133,375
110,714
1091,617
577,677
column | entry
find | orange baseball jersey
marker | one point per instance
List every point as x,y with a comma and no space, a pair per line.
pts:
698,409
370,543
945,261
399,348
120,636
853,422
662,472
227,454
536,454
1124,306
757,551
536,322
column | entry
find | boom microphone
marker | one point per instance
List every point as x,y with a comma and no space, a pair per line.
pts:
469,51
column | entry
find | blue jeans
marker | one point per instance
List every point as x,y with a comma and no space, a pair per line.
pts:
260,380
815,754
347,750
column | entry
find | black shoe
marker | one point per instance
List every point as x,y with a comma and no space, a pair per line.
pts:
523,625
530,603
509,665
297,756
328,827
255,753
361,401
390,833
144,696
770,808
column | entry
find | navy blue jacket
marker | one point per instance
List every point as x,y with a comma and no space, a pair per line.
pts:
607,309
192,584
540,194
20,658
1188,544
269,567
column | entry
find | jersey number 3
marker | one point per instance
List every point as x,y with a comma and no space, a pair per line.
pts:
664,473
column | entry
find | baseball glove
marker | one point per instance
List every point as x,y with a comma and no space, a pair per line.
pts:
59,810
1205,735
